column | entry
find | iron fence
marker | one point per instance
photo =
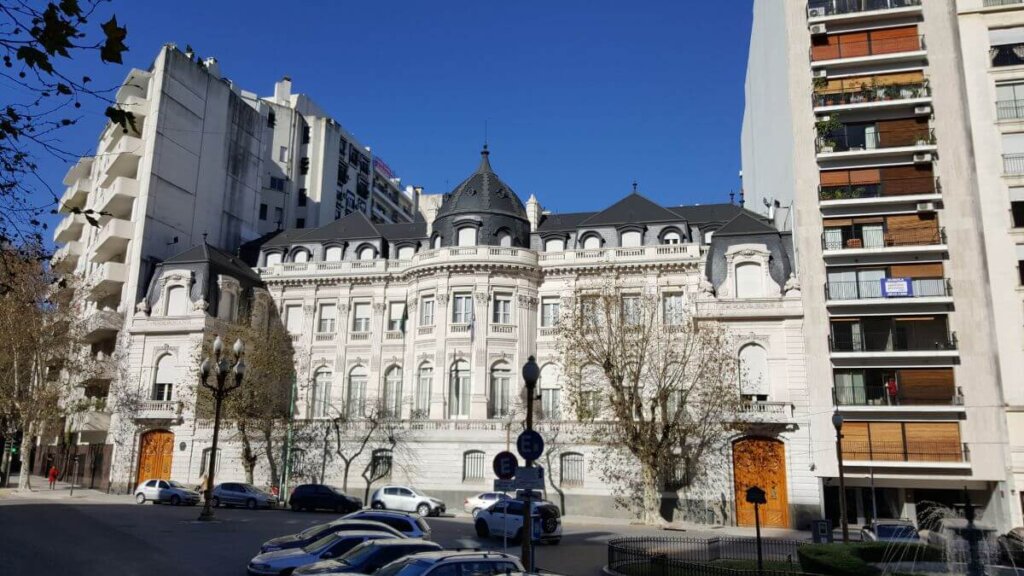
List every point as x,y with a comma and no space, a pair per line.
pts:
1013,163
892,187
864,92
835,7
870,47
671,556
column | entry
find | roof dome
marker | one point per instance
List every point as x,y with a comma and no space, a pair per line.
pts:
482,192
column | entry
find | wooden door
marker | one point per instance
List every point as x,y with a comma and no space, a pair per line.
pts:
156,450
761,462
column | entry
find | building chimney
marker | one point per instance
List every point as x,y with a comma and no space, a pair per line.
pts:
283,90
533,212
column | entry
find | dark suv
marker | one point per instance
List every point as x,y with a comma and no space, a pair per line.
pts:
323,497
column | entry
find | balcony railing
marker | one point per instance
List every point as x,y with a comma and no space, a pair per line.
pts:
861,239
872,289
845,141
1010,109
1006,55
892,340
894,451
865,93
894,187
880,395
159,409
1013,164
875,47
990,3
835,7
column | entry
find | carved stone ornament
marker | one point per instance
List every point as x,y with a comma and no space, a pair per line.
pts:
379,307
792,287
411,305
442,299
706,287
482,297
201,305
142,308
307,309
343,309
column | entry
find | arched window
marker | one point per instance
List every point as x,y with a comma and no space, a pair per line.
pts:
472,465
355,399
436,242
749,280
393,392
300,256
334,254
272,259
467,236
631,239
504,239
753,366
550,392
671,237
367,253
554,245
406,252
592,242
164,377
501,393
592,390
571,473
459,389
227,306
320,399
707,236
177,301
421,407
204,464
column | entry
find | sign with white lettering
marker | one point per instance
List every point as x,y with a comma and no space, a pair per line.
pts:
504,485
897,287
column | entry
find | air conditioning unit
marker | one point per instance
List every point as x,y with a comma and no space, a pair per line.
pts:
926,206
820,73
922,109
818,29
816,12
922,157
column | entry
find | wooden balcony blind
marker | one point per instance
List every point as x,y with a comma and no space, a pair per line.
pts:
902,132
933,441
904,180
854,83
913,228
856,44
851,177
926,386
929,270
902,441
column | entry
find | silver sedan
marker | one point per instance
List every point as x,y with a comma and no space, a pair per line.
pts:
238,494
167,491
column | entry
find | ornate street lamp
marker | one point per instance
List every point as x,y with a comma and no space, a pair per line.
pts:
837,421
221,370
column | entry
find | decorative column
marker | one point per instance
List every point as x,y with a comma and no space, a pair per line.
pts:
439,387
478,350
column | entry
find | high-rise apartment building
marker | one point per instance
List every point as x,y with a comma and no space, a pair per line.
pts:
872,130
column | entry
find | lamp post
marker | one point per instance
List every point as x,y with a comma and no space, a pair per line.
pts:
531,373
837,421
220,369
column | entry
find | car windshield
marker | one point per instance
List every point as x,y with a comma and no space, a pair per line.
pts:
318,544
895,531
413,568
337,490
313,530
417,491
361,553
176,484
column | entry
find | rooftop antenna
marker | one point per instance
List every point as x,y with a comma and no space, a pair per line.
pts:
485,134
635,184
732,197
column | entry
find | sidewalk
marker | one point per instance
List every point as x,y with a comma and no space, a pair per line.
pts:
40,490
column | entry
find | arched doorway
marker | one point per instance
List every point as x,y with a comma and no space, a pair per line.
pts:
156,450
761,462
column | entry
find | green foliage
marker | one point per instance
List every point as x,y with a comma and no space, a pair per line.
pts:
834,560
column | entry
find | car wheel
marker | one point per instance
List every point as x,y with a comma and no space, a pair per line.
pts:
295,507
250,504
215,502
476,511
423,509
140,498
378,505
481,529
175,500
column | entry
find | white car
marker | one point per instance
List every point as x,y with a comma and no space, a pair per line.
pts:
505,518
283,562
474,504
165,491
406,499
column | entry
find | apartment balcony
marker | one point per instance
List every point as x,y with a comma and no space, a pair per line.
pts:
93,420
897,454
1013,164
321,337
903,49
75,195
137,105
69,229
868,97
889,292
998,3
363,337
162,410
69,254
99,370
660,253
502,329
1006,55
858,243
101,325
879,399
460,330
901,190
927,336
859,145
425,331
112,240
835,11
394,336
107,279
442,257
122,158
765,412
118,198
79,170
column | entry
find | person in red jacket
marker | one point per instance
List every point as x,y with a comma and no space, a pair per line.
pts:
53,476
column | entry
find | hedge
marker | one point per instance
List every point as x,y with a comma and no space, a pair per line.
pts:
854,559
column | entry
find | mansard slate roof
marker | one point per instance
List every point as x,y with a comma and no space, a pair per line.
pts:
632,209
482,192
744,224
710,213
638,209
218,261
352,226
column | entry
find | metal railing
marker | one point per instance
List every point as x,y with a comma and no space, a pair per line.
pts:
880,189
879,395
1013,163
836,7
870,47
871,289
669,556
864,93
845,141
1006,55
857,239
892,340
989,3
911,451
1009,109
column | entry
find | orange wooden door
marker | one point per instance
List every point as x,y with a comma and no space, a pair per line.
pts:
761,462
156,450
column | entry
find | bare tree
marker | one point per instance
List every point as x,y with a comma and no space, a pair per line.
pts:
664,385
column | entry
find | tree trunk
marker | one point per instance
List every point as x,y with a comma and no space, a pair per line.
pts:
26,447
268,440
248,458
651,497
344,479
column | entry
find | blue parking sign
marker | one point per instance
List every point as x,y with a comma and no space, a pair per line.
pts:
530,444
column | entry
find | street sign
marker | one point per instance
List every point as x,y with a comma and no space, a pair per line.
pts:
505,464
504,485
756,496
529,478
530,444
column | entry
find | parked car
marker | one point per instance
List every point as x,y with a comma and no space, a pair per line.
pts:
283,562
949,536
883,530
474,504
449,562
314,533
407,499
1012,546
505,518
165,491
323,497
410,525
237,494
370,556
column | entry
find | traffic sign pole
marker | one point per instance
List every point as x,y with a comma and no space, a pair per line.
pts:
531,373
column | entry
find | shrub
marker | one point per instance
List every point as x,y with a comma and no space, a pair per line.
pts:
889,552
834,560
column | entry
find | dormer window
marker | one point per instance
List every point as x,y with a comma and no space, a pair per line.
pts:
228,306
301,256
367,253
273,259
672,237
749,280
554,245
406,252
333,254
177,301
504,239
436,242
592,242
467,236
632,239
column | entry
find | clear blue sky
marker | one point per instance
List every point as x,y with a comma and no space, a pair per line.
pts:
581,96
